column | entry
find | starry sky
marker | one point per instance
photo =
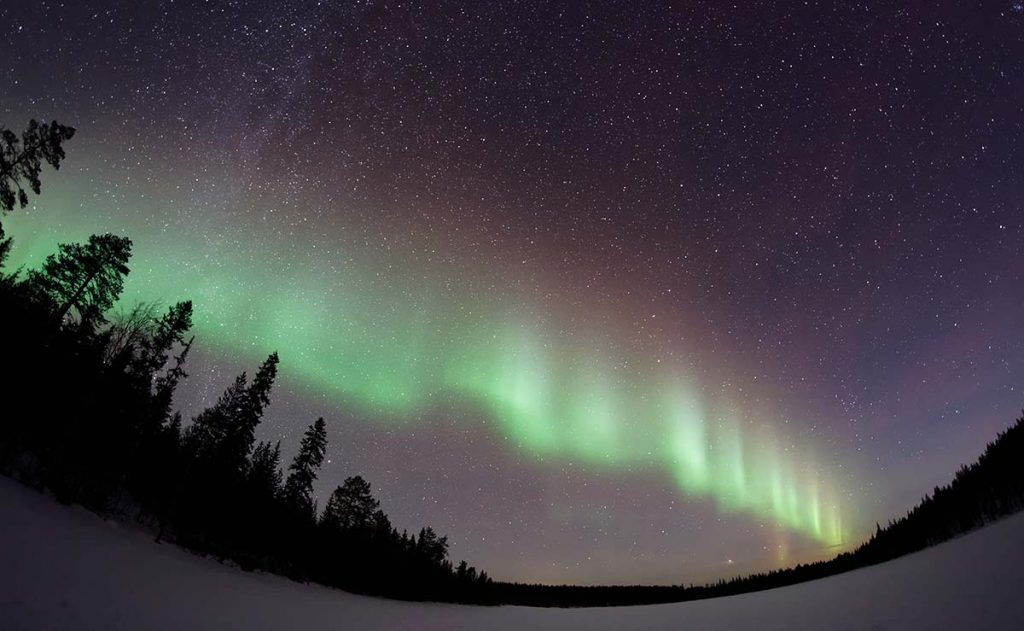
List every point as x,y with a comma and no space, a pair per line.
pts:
607,292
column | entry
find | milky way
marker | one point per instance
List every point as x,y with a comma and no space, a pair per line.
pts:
606,293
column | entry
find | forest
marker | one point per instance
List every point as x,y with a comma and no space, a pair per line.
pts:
110,440
88,416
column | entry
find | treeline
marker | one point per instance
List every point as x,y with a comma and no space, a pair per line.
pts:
87,414
989,489
111,439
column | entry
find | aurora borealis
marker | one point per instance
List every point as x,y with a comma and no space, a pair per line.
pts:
606,293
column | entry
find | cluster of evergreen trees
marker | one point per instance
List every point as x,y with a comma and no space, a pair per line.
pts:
989,489
88,415
111,441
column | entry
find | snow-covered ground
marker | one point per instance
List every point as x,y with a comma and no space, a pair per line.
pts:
65,568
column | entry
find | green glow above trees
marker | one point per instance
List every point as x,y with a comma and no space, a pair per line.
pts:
395,343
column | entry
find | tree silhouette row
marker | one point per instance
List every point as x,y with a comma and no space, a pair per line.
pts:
87,414
112,442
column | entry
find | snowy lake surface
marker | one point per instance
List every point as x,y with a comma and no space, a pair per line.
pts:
65,568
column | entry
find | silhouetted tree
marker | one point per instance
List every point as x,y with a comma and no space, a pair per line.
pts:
127,332
107,432
241,434
380,526
209,429
5,249
265,469
106,436
298,489
225,433
163,335
174,427
21,160
350,507
20,165
88,277
432,547
165,385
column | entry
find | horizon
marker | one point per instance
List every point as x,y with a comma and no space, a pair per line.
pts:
693,303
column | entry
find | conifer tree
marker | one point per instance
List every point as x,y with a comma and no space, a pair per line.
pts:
265,469
5,248
165,385
209,429
350,507
225,433
166,332
432,547
21,160
88,277
380,525
241,432
173,426
298,489
262,383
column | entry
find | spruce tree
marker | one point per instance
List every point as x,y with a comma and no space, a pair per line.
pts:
432,547
225,433
380,525
165,385
209,429
88,277
265,469
21,160
298,489
5,248
240,430
166,332
350,507
262,383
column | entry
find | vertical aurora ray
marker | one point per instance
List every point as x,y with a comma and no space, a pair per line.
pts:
687,441
394,345
597,295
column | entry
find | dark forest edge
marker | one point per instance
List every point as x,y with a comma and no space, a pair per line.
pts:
87,415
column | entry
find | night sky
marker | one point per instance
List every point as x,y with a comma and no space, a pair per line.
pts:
607,292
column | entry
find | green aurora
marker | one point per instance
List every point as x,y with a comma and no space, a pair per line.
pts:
393,344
